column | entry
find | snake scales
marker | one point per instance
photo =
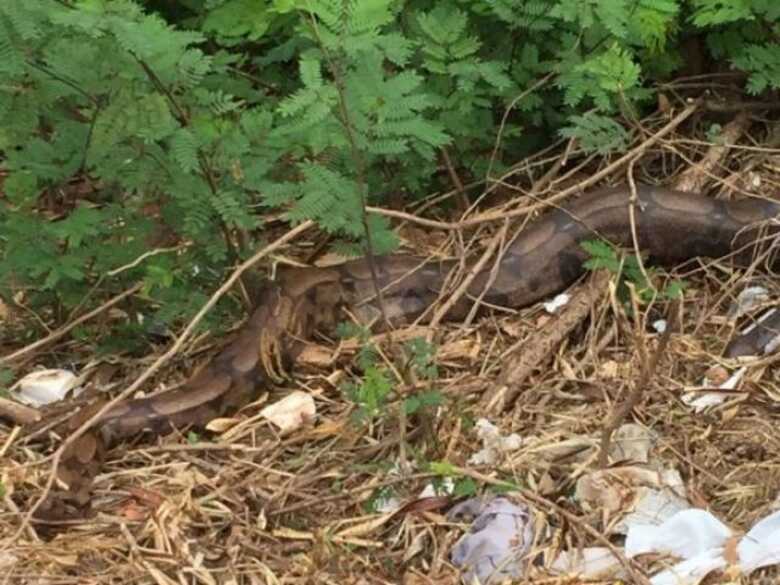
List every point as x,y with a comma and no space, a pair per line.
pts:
543,259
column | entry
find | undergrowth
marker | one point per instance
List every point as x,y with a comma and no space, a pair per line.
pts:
128,127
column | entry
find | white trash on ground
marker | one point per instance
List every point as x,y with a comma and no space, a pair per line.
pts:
44,387
292,411
705,544
493,443
556,303
595,562
497,543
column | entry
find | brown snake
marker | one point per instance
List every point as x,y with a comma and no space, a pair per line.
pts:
542,259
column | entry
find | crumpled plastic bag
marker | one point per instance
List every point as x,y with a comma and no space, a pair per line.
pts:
702,541
495,546
633,494
747,300
43,387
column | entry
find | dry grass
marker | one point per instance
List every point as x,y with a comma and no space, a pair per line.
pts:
249,506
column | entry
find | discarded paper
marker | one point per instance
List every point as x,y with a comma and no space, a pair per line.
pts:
291,412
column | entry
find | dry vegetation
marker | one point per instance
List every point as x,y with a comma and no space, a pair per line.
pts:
250,506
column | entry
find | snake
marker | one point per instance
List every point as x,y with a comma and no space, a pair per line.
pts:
543,258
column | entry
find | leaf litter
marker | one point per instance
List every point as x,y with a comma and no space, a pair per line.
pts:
300,501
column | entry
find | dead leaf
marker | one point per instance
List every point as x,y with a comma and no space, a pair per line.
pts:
608,369
730,552
291,412
291,534
426,505
316,355
664,105
365,528
460,349
134,511
514,328
220,425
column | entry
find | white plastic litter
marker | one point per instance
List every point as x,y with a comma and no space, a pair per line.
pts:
43,387
702,400
387,504
760,547
686,534
493,444
444,487
559,301
633,495
652,506
596,562
497,542
747,300
701,540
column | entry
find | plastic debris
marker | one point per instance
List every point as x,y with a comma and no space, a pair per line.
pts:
495,546
659,325
589,563
747,300
386,504
760,337
705,544
632,442
46,386
445,487
633,494
558,302
701,400
493,444
291,412
652,506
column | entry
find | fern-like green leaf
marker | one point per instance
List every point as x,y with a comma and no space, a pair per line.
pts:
596,133
716,12
184,148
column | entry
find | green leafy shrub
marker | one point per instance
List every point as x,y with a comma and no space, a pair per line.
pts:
628,270
129,126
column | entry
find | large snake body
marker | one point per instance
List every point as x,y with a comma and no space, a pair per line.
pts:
543,259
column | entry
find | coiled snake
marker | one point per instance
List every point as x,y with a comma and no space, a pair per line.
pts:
543,259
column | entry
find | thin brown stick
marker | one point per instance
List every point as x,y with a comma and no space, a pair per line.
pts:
579,187
633,203
649,367
158,363
473,272
62,331
460,194
540,346
499,135
693,178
